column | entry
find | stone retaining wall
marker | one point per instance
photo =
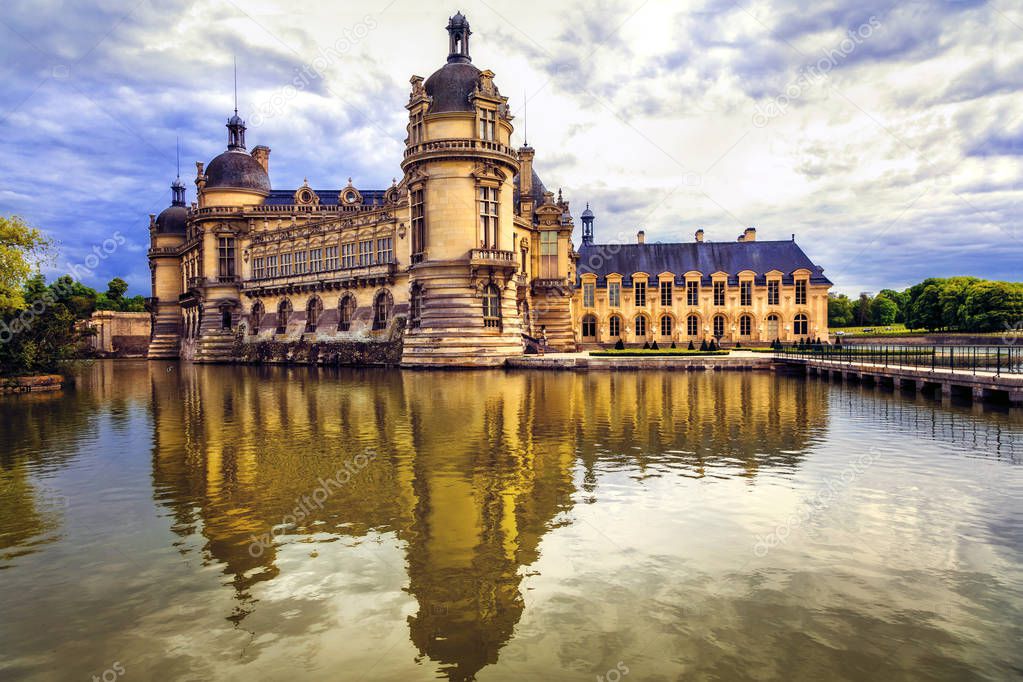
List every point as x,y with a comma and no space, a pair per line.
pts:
31,384
704,363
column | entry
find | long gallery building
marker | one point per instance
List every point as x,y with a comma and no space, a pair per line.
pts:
464,262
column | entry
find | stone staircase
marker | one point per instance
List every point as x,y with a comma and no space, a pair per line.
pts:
164,347
215,346
553,311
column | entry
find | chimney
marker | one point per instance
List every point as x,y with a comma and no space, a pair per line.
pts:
749,235
262,154
699,235
641,237
526,204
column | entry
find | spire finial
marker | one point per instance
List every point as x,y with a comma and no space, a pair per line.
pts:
236,85
177,151
525,119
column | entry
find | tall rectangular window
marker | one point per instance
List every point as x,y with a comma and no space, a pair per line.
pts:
385,250
416,128
488,124
258,268
488,217
692,293
300,262
639,288
348,255
773,288
330,258
614,294
285,265
746,293
589,294
315,260
549,254
226,248
718,293
271,266
418,226
366,252
800,292
666,293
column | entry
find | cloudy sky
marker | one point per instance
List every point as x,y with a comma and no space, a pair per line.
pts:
887,136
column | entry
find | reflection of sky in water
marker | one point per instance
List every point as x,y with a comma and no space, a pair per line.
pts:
543,524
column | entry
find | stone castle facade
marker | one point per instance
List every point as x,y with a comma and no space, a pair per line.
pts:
467,261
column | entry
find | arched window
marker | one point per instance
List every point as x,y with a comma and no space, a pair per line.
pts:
614,326
345,313
640,326
415,306
773,322
381,310
665,325
491,306
589,328
693,325
719,326
283,313
256,316
225,317
745,325
801,325
313,310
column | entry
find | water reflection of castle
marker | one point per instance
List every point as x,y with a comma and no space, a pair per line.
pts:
469,473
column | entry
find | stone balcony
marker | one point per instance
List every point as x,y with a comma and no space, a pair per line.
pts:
344,278
448,147
493,257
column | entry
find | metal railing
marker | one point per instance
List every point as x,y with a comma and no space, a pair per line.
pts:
997,360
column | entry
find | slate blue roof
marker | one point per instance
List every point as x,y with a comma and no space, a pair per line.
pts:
705,257
328,197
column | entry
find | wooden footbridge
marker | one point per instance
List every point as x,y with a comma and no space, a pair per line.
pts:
981,373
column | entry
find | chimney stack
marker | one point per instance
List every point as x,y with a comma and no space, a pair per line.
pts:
699,235
261,154
749,235
641,237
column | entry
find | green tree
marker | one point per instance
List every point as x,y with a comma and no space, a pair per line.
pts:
840,311
900,298
883,310
22,249
993,306
924,307
862,310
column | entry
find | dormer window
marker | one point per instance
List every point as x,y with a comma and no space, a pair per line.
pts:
488,124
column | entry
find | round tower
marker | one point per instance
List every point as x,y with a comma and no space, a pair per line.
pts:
459,171
166,235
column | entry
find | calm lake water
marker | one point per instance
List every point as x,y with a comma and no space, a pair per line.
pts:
166,521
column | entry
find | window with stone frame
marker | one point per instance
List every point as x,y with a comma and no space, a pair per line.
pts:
488,217
692,293
385,250
366,252
666,325
639,290
226,256
640,324
692,326
719,293
315,260
348,258
666,293
271,266
773,292
589,294
301,262
614,294
614,326
549,254
488,124
800,292
491,306
330,258
746,292
285,265
418,225
345,313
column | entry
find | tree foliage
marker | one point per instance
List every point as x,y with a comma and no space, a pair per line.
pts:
22,250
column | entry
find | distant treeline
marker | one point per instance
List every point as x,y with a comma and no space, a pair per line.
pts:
37,328
963,304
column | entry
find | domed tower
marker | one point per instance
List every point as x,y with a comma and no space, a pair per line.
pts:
459,170
212,307
166,235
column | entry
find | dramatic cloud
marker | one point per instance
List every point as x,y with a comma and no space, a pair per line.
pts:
887,136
